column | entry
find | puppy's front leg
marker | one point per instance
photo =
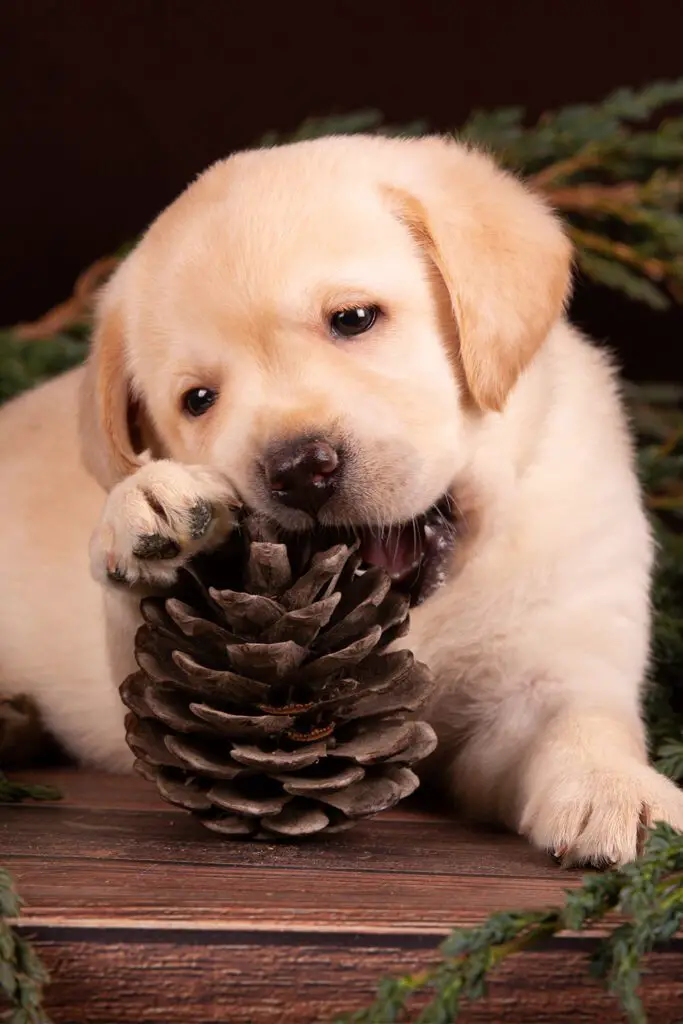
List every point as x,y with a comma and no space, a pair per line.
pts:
154,521
572,776
586,789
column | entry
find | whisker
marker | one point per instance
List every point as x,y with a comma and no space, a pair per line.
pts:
453,506
416,536
449,524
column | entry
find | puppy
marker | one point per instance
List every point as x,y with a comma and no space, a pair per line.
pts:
357,331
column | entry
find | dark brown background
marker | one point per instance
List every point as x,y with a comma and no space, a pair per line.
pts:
109,108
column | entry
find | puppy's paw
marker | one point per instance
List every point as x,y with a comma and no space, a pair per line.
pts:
599,817
157,519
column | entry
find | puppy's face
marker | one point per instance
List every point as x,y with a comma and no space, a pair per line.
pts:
326,323
307,316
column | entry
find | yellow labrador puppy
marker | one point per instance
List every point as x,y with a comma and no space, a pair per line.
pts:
363,332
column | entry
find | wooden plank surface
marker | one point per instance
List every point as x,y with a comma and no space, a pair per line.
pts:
400,872
143,915
310,983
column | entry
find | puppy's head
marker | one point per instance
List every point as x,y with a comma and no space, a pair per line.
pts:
328,323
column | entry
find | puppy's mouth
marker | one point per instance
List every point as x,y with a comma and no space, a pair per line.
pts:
417,554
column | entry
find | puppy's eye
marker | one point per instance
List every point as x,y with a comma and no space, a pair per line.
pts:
197,401
347,323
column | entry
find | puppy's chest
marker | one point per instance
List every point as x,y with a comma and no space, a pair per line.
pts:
467,629
449,634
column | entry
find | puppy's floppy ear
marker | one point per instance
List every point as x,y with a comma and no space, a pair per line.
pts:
503,257
110,437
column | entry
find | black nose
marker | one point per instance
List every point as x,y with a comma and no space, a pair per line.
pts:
303,474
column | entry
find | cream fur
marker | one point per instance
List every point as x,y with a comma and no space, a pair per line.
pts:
472,380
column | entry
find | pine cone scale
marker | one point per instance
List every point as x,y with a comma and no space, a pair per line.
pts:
422,744
232,799
190,797
242,727
196,628
268,571
171,710
219,683
343,659
302,625
210,764
231,825
319,581
301,785
408,695
268,662
366,748
295,821
372,795
276,760
244,611
364,593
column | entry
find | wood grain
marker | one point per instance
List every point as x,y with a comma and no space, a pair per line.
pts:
313,983
387,844
143,916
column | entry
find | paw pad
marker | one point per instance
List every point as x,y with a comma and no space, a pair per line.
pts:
199,519
154,546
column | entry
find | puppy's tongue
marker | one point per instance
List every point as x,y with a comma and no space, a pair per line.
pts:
398,551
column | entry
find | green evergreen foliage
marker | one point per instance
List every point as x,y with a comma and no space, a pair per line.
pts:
22,975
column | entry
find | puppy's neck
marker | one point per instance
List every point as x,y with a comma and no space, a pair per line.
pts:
506,446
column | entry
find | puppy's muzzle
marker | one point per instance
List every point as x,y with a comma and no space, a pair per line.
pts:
303,474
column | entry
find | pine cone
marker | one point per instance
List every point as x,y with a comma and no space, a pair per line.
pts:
266,702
